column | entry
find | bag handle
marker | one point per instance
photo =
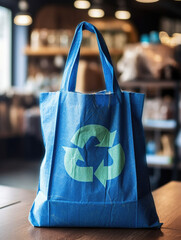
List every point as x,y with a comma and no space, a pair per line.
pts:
71,67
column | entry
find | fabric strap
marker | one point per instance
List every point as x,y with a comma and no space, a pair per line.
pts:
71,67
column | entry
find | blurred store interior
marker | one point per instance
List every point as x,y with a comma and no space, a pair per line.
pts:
144,40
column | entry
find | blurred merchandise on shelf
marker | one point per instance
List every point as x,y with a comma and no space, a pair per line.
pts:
14,115
158,109
170,26
44,74
152,37
159,116
152,61
62,38
172,41
52,38
151,147
167,143
163,155
145,39
154,70
20,130
50,42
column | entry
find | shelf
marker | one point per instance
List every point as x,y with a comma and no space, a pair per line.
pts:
54,51
159,161
163,166
162,125
148,83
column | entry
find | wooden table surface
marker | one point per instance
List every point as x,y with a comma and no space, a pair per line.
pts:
16,203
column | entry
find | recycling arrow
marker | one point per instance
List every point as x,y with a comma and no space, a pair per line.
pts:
103,135
82,174
104,173
106,139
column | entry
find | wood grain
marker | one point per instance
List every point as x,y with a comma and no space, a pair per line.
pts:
14,220
168,204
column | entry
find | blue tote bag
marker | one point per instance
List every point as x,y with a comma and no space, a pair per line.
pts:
94,171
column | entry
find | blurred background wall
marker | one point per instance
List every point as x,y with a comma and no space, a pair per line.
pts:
144,40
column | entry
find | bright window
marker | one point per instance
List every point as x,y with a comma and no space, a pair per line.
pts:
5,48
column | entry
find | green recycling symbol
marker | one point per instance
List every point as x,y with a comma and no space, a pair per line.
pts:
106,139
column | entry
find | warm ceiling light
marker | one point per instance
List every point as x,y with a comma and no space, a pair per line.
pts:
122,11
147,1
23,5
96,10
122,14
23,19
96,13
82,4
